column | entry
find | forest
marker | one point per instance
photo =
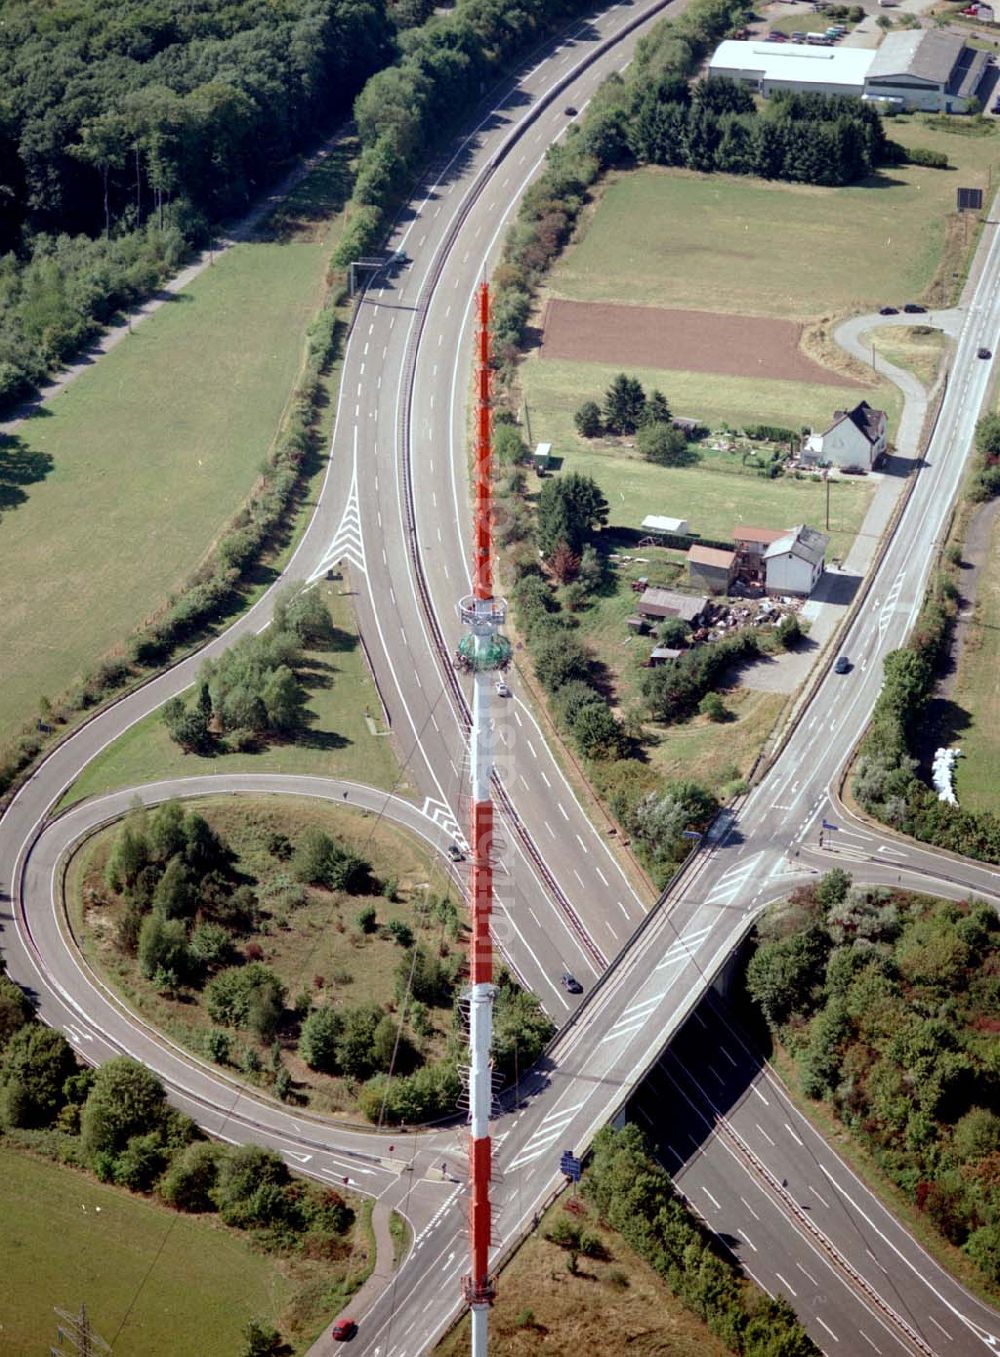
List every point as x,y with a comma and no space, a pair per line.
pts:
889,1005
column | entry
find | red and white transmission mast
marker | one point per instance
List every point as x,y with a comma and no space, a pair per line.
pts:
483,652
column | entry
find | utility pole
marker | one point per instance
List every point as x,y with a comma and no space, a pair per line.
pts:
826,477
78,1334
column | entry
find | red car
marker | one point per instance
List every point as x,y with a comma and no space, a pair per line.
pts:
343,1330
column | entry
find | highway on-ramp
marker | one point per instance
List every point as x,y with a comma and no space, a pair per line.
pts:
393,511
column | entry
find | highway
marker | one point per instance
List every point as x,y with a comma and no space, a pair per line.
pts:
393,510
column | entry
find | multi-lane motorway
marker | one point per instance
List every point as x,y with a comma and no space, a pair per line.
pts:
393,511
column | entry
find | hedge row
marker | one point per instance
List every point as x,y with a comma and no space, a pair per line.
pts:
635,1196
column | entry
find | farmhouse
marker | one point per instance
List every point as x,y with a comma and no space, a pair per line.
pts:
656,604
854,441
711,569
794,563
919,68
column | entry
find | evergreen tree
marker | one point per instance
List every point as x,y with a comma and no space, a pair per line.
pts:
624,405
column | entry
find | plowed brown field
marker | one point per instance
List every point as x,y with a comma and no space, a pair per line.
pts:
680,341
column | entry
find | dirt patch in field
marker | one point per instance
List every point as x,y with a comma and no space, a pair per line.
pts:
684,341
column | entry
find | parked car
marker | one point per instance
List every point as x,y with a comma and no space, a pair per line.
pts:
888,311
455,853
798,37
914,309
984,353
570,983
344,1330
843,665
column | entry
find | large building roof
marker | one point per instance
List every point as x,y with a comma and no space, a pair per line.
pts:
795,61
924,53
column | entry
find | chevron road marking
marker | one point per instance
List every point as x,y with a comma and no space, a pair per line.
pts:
684,947
348,543
633,1018
733,881
889,606
444,817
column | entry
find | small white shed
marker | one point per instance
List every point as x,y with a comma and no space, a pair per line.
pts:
542,456
656,523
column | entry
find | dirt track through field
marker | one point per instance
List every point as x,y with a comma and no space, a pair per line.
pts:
680,341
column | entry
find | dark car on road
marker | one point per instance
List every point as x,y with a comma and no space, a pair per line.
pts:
984,353
455,853
570,111
888,311
570,983
843,665
914,309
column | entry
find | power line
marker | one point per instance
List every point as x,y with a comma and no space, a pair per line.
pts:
77,1331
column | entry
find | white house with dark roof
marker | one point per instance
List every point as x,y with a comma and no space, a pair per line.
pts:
854,441
794,563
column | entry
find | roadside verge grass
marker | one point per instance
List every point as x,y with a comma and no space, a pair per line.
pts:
614,1304
149,454
977,691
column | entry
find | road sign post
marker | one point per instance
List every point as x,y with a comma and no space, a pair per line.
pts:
571,1166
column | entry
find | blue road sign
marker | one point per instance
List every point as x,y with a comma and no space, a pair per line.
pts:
828,825
570,1165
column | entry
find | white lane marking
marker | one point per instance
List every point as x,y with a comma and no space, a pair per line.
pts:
763,1133
747,1238
792,1134
818,1196
787,1285
807,1274
828,1329
711,1199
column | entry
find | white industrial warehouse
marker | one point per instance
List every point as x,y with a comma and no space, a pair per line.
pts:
920,68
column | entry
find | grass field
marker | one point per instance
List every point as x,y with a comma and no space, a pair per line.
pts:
978,692
155,1283
724,243
917,348
314,946
613,1305
339,742
152,451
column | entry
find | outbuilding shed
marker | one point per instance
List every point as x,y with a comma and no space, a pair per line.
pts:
657,523
711,569
656,604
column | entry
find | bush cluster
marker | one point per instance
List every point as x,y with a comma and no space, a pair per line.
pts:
889,1004
634,1196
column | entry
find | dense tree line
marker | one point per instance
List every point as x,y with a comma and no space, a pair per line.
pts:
889,1004
805,138
634,1195
886,775
406,109
126,128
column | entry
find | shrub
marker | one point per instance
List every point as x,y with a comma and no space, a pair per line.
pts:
663,444
588,420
